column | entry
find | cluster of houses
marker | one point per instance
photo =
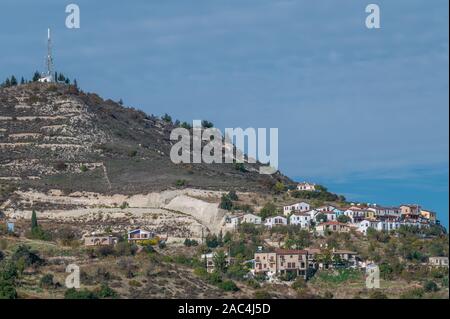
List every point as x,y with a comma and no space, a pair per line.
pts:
303,262
326,219
134,236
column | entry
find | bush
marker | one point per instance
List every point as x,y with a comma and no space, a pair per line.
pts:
268,210
226,203
228,285
430,286
46,281
233,196
72,293
24,255
106,292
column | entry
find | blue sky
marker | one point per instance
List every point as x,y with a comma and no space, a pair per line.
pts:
364,111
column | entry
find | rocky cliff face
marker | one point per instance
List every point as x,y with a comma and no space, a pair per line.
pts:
54,136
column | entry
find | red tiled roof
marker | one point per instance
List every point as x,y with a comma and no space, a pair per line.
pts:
290,251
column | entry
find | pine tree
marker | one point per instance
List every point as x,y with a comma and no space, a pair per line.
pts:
22,80
7,83
34,223
13,80
56,77
75,83
36,76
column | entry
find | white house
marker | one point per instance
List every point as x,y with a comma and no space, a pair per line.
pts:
331,216
355,214
364,225
251,219
305,186
299,207
301,219
313,214
274,221
139,234
234,220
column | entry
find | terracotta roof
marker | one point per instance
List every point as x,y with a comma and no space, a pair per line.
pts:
290,251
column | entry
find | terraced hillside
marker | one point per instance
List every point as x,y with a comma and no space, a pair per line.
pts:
53,136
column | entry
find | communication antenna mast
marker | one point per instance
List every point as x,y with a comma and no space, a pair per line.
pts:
48,76
49,54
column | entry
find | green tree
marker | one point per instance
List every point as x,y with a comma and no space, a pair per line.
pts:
34,222
207,124
321,217
269,209
233,196
13,80
226,203
36,76
166,118
220,262
343,219
279,187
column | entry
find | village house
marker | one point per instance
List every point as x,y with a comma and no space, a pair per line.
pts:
139,234
380,211
333,227
292,261
298,207
265,262
234,220
356,214
301,219
251,219
364,225
93,240
305,186
410,211
274,221
438,261
429,215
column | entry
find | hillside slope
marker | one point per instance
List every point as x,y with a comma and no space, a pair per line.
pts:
53,136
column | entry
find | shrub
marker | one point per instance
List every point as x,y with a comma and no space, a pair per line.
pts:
46,281
180,183
72,293
430,286
28,257
106,292
233,196
228,285
226,203
268,210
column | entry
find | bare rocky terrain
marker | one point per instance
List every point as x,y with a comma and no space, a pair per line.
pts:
72,156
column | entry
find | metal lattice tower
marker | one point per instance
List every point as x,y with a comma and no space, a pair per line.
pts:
49,55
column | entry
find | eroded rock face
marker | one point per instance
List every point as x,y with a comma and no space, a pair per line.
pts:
175,213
